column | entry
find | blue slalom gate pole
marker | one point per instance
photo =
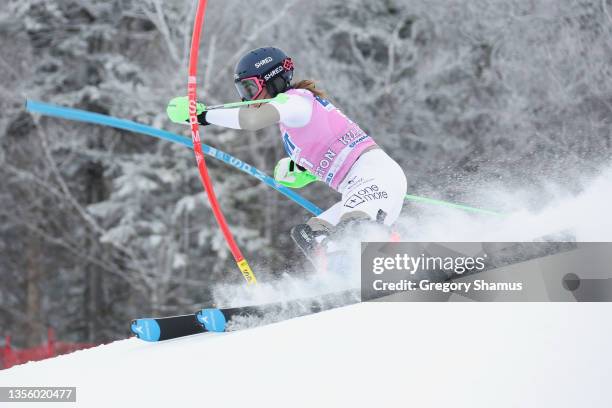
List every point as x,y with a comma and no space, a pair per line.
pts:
105,120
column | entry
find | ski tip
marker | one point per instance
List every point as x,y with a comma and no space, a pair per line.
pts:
146,329
213,320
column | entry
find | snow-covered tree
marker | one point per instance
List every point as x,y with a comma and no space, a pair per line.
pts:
99,225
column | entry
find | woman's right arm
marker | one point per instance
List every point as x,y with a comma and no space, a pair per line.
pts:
244,118
294,111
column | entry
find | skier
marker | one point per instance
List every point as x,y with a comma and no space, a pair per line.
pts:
321,143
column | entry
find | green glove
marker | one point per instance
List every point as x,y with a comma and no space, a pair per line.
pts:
289,175
178,109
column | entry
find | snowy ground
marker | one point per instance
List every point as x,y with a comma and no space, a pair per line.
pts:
380,354
387,355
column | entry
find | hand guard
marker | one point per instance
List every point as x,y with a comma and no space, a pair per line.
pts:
291,175
178,111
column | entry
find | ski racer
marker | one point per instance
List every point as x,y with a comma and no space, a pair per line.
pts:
321,142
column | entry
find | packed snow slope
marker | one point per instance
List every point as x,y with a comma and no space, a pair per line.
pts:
375,354
366,355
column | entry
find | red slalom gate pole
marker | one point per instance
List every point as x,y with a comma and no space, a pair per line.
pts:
242,263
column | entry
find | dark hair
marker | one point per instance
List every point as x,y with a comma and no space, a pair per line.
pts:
310,85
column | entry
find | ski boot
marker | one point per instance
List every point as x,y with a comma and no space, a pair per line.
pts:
321,243
310,238
329,247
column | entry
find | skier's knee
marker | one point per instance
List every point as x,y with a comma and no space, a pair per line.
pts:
362,216
317,224
354,217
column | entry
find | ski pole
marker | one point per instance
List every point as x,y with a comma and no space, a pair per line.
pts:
280,98
452,205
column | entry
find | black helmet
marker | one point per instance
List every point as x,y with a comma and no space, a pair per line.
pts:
267,67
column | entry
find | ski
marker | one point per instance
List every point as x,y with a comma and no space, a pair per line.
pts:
165,328
220,319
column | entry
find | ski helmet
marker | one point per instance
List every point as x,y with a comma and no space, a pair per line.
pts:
268,68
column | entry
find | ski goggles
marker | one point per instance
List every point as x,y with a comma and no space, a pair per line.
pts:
250,88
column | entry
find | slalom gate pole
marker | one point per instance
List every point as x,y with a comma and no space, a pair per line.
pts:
79,115
242,263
